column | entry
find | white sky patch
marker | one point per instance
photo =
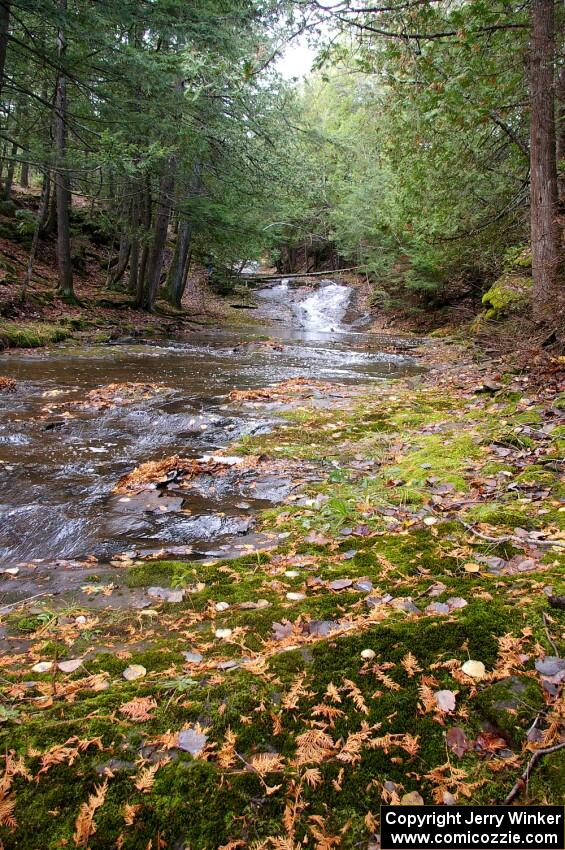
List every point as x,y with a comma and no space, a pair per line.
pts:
296,60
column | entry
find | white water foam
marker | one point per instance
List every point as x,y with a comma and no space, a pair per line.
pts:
324,309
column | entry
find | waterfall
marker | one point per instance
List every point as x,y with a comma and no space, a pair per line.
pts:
324,309
321,310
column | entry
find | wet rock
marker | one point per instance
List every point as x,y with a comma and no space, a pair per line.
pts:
550,665
114,766
166,594
322,628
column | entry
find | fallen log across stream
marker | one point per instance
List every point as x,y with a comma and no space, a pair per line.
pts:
257,278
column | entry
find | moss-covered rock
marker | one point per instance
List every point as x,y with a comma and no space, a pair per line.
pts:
509,294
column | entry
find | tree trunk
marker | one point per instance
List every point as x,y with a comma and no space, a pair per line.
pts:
24,175
47,185
62,181
7,192
560,132
164,206
4,32
146,221
545,230
176,279
49,225
41,213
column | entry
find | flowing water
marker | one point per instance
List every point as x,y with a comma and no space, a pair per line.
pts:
58,473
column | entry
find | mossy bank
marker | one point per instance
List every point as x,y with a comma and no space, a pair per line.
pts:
291,691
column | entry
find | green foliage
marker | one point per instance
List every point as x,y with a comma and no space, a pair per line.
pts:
413,160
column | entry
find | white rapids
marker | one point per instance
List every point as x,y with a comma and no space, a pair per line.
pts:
321,310
324,309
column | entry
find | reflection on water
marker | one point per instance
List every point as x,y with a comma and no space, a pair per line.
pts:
57,475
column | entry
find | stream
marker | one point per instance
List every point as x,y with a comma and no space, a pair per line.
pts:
56,502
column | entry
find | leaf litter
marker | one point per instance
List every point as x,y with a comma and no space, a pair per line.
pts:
303,697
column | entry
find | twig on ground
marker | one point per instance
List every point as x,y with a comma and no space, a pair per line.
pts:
512,538
546,627
520,783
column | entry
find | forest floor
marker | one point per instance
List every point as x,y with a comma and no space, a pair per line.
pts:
397,637
101,315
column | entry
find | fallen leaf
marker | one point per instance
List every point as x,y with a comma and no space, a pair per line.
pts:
457,741
445,700
133,672
474,669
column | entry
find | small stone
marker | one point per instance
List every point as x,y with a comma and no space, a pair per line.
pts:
430,520
223,634
80,620
222,606
365,585
292,573
368,654
295,596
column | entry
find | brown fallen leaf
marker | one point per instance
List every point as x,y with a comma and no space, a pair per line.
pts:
457,741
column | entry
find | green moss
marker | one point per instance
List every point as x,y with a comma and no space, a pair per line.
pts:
510,293
439,457
31,334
